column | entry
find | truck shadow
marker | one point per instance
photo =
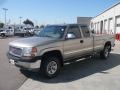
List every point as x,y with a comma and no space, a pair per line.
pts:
79,70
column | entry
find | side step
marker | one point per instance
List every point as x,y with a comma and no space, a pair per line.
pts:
78,59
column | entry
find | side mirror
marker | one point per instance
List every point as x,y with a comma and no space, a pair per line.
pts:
70,36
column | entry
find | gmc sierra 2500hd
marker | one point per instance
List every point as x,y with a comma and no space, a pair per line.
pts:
57,44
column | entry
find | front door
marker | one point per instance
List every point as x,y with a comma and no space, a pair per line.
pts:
73,42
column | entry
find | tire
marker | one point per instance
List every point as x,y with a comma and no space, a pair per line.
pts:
2,35
50,66
28,34
106,52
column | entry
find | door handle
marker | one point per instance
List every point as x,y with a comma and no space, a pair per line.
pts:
81,41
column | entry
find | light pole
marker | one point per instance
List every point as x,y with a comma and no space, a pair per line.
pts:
5,9
20,19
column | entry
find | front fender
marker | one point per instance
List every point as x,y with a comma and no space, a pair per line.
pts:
43,51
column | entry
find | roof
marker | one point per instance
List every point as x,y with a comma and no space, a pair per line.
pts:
84,17
108,8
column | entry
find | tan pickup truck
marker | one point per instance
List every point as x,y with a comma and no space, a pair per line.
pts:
57,44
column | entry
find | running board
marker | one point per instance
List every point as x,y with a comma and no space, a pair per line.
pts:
78,59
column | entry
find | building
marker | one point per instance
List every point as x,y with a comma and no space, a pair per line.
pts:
84,20
107,22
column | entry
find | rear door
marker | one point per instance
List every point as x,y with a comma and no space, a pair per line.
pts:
87,40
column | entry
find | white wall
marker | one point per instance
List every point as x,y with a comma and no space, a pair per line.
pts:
111,21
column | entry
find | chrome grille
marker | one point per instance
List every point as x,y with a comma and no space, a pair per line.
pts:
15,51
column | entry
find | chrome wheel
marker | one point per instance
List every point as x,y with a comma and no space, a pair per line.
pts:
105,53
52,67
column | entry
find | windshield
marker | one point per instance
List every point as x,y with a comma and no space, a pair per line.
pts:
52,31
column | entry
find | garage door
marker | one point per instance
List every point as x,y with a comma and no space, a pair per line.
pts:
111,26
118,25
105,26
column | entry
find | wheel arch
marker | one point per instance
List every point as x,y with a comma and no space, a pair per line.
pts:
108,43
57,53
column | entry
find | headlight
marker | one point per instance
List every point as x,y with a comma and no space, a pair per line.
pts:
30,51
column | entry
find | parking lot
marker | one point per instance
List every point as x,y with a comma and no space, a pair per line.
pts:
93,74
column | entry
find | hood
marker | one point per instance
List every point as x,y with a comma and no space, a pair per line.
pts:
31,42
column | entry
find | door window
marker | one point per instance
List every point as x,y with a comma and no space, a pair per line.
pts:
85,31
73,32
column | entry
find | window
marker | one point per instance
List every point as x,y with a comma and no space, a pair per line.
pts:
9,27
7,30
1,30
85,31
21,27
118,25
74,31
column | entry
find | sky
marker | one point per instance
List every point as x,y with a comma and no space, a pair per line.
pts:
52,11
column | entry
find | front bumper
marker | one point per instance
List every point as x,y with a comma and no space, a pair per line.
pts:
28,63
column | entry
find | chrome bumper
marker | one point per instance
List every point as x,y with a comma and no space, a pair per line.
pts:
28,65
24,64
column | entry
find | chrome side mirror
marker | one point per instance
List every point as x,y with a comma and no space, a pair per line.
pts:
70,36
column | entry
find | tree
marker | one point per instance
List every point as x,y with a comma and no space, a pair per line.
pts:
27,21
1,25
37,26
42,26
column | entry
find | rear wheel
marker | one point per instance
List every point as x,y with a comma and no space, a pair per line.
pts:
50,66
106,52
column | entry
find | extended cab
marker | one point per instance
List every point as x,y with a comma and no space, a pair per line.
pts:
57,44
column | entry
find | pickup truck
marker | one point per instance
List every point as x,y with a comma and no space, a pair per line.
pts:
57,44
24,32
5,33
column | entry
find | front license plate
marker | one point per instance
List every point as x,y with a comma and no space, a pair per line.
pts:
12,61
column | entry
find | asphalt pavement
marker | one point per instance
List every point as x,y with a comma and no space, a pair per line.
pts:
92,74
10,76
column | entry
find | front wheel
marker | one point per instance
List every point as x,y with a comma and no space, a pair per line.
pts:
50,66
106,52
2,35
